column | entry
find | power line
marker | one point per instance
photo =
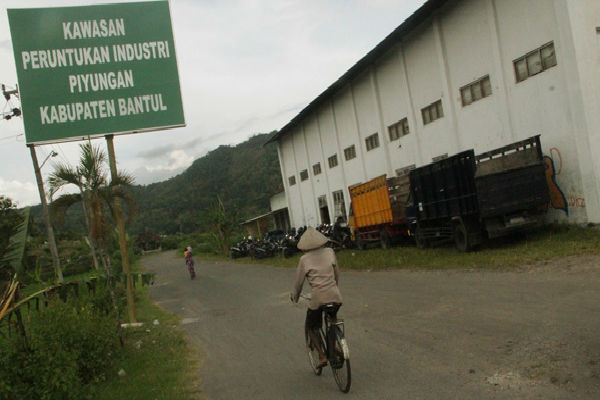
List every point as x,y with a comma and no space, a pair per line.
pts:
11,136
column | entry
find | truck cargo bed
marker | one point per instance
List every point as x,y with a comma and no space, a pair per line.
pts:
445,188
512,191
511,179
468,198
379,201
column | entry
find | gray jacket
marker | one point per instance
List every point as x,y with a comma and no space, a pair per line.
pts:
319,268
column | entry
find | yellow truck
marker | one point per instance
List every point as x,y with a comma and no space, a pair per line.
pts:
377,210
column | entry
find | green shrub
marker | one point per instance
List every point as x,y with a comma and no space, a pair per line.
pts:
206,248
197,247
79,262
171,242
69,348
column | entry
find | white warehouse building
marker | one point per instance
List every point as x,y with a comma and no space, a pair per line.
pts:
456,75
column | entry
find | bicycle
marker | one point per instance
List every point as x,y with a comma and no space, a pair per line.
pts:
333,342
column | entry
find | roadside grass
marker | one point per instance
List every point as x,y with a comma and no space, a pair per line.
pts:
162,368
535,247
158,362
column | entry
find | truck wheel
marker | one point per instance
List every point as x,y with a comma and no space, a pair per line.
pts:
385,240
461,237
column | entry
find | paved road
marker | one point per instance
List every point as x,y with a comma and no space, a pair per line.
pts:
532,334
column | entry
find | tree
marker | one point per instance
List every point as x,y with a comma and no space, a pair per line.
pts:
96,193
10,220
245,176
222,224
148,240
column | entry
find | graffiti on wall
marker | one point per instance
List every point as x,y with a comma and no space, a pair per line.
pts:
575,197
558,200
557,197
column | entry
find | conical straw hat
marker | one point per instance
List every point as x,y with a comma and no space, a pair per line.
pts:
311,239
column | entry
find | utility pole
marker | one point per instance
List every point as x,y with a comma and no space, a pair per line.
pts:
16,112
46,215
122,234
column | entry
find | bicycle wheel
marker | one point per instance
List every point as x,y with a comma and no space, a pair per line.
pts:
340,364
313,353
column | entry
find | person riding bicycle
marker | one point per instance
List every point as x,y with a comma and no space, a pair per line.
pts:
319,267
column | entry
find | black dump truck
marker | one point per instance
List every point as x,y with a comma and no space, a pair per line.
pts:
470,198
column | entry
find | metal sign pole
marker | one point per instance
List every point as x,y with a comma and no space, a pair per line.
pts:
122,234
46,214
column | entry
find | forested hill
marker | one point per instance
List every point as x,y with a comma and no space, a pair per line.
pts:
244,176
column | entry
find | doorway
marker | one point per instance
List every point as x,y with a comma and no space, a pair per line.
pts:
324,210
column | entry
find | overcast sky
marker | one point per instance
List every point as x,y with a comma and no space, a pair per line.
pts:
245,66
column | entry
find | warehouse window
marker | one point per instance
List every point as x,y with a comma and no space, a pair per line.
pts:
350,153
317,169
372,141
338,205
333,161
535,62
292,180
322,201
398,129
476,90
303,175
432,112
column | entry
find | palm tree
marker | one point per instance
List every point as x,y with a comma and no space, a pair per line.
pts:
62,175
96,193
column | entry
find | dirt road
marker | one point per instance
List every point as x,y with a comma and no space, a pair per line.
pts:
529,334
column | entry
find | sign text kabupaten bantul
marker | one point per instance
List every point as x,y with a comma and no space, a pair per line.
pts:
96,70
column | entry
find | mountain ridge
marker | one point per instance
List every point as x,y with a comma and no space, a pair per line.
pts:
244,176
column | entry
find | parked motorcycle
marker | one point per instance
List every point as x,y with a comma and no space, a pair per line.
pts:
288,246
241,248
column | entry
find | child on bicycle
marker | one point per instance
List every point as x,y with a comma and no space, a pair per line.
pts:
319,267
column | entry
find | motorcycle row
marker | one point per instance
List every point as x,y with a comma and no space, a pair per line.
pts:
278,243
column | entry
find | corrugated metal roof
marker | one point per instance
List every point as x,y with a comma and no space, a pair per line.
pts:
256,218
418,17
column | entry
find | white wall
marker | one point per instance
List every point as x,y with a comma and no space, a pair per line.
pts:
278,201
586,19
396,105
335,176
423,72
578,30
458,45
541,103
367,115
320,184
295,203
348,135
469,57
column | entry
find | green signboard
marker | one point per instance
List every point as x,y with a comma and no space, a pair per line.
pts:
96,70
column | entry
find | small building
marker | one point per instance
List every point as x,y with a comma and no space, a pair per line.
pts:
279,211
277,219
456,75
257,226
